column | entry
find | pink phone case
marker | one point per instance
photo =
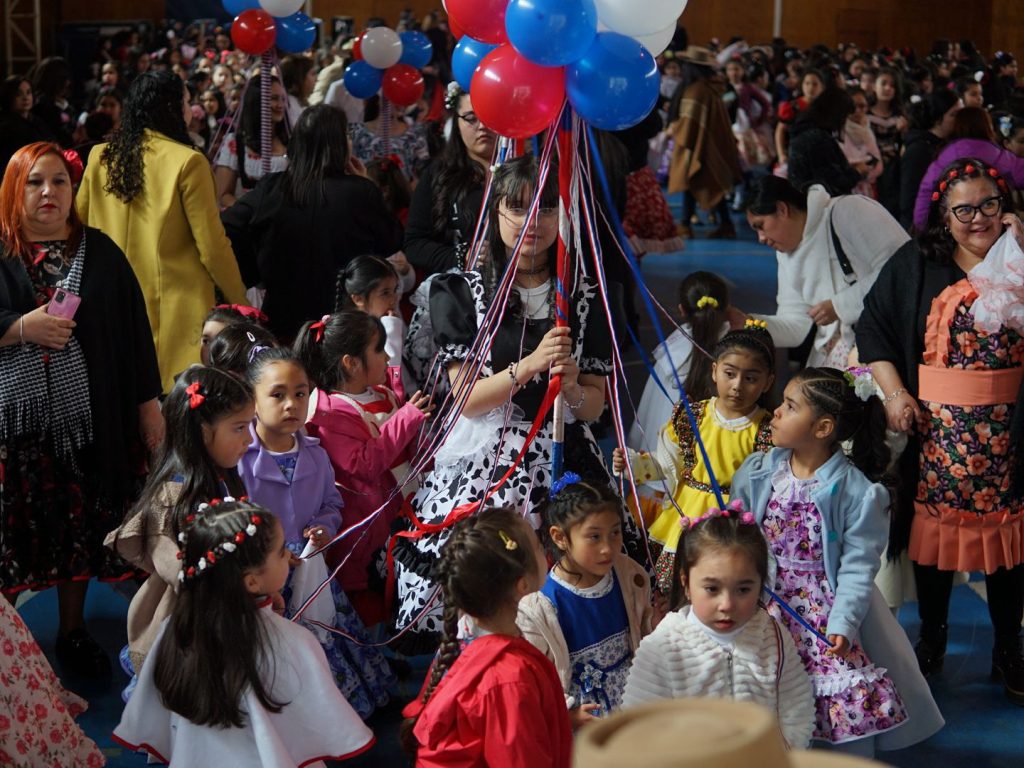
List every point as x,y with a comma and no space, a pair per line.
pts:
63,304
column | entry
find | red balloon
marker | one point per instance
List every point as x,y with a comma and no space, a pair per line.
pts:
457,32
253,31
483,20
357,47
403,85
515,97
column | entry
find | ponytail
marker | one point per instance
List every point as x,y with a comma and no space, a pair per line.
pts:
704,298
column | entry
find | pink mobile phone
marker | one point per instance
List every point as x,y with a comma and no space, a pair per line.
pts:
63,304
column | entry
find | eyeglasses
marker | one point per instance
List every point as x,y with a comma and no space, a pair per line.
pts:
518,213
987,208
470,119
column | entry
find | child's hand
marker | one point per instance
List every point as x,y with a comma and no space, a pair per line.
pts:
318,535
618,462
840,646
422,402
293,560
581,715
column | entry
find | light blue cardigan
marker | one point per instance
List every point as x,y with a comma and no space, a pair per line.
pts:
854,528
854,531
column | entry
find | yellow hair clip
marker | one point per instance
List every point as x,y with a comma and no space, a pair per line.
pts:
510,544
707,301
754,323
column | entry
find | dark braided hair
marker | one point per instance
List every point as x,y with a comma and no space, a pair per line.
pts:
937,243
154,101
485,557
571,506
830,392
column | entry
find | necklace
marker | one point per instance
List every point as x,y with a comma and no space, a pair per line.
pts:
534,271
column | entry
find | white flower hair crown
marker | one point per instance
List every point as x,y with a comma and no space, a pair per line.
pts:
226,547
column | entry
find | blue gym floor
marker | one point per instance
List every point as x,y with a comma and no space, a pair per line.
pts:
983,730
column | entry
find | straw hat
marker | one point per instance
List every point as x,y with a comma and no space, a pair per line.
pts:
695,54
697,733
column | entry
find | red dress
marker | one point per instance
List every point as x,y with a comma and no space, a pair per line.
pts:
501,705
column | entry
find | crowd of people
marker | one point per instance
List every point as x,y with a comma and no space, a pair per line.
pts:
225,377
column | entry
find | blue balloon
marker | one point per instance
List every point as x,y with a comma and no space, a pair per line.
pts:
551,33
295,33
362,80
466,57
235,7
614,85
417,50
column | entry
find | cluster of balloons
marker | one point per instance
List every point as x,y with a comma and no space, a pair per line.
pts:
519,59
261,24
389,62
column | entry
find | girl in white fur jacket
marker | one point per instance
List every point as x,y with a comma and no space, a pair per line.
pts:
724,644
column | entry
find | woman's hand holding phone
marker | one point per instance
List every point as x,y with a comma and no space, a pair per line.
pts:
46,330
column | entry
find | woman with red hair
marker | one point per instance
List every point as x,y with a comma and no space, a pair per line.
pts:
78,388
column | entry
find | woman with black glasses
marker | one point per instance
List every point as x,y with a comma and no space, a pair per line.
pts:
943,334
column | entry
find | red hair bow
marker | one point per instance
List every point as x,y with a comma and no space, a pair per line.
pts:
75,166
195,397
246,311
318,327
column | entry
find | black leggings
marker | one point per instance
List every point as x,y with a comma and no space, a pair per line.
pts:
1005,597
690,208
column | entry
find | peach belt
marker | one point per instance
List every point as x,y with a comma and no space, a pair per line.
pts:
956,386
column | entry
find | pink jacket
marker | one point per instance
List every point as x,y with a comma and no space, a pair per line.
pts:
361,470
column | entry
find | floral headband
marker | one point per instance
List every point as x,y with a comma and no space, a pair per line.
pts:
226,547
755,324
734,509
969,171
451,96
862,381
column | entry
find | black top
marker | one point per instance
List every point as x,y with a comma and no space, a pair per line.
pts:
117,343
423,247
16,132
815,157
297,251
60,122
458,300
919,150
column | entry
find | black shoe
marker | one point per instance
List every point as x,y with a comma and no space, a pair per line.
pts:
931,649
79,654
1008,668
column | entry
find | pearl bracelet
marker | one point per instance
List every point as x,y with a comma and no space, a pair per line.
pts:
576,406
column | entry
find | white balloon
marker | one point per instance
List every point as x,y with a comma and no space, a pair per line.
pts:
381,47
658,42
281,8
621,15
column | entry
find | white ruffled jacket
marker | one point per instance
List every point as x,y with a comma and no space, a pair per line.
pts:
678,660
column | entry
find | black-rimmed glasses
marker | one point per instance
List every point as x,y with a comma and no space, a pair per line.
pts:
987,208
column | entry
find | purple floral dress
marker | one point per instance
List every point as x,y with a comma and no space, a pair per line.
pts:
853,698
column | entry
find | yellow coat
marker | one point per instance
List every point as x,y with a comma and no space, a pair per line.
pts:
173,238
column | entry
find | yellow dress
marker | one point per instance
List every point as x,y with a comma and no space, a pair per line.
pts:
678,461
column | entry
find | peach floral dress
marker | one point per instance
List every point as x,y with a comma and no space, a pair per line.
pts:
965,518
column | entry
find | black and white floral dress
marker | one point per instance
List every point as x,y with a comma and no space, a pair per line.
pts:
479,450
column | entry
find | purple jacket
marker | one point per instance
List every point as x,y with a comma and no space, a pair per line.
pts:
310,499
1008,164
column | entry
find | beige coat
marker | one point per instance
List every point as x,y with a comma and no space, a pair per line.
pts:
539,622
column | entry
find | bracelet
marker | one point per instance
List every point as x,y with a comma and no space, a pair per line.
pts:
894,395
512,367
583,397
21,329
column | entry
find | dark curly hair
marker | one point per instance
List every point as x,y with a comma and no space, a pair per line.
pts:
154,101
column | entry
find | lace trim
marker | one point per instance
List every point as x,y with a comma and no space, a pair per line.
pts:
838,682
601,589
789,488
